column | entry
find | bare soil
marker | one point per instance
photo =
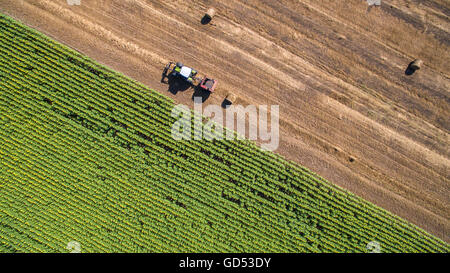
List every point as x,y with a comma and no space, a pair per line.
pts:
348,111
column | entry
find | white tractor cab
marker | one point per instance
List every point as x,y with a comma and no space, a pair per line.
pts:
185,72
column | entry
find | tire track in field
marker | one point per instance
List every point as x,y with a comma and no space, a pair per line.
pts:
399,84
99,31
409,142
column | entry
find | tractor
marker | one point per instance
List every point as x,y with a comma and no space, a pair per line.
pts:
179,71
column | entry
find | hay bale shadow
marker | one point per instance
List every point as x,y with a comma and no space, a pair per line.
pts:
205,20
226,103
409,70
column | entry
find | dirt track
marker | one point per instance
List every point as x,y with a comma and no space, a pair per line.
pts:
336,70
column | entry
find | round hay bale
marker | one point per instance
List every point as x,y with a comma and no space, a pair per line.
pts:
231,97
210,13
416,64
341,37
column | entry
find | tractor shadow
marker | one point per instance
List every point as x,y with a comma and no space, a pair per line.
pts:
200,93
175,84
205,20
409,70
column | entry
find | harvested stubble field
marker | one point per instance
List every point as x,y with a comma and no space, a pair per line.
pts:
335,69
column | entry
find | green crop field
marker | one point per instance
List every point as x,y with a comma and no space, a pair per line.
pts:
86,155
